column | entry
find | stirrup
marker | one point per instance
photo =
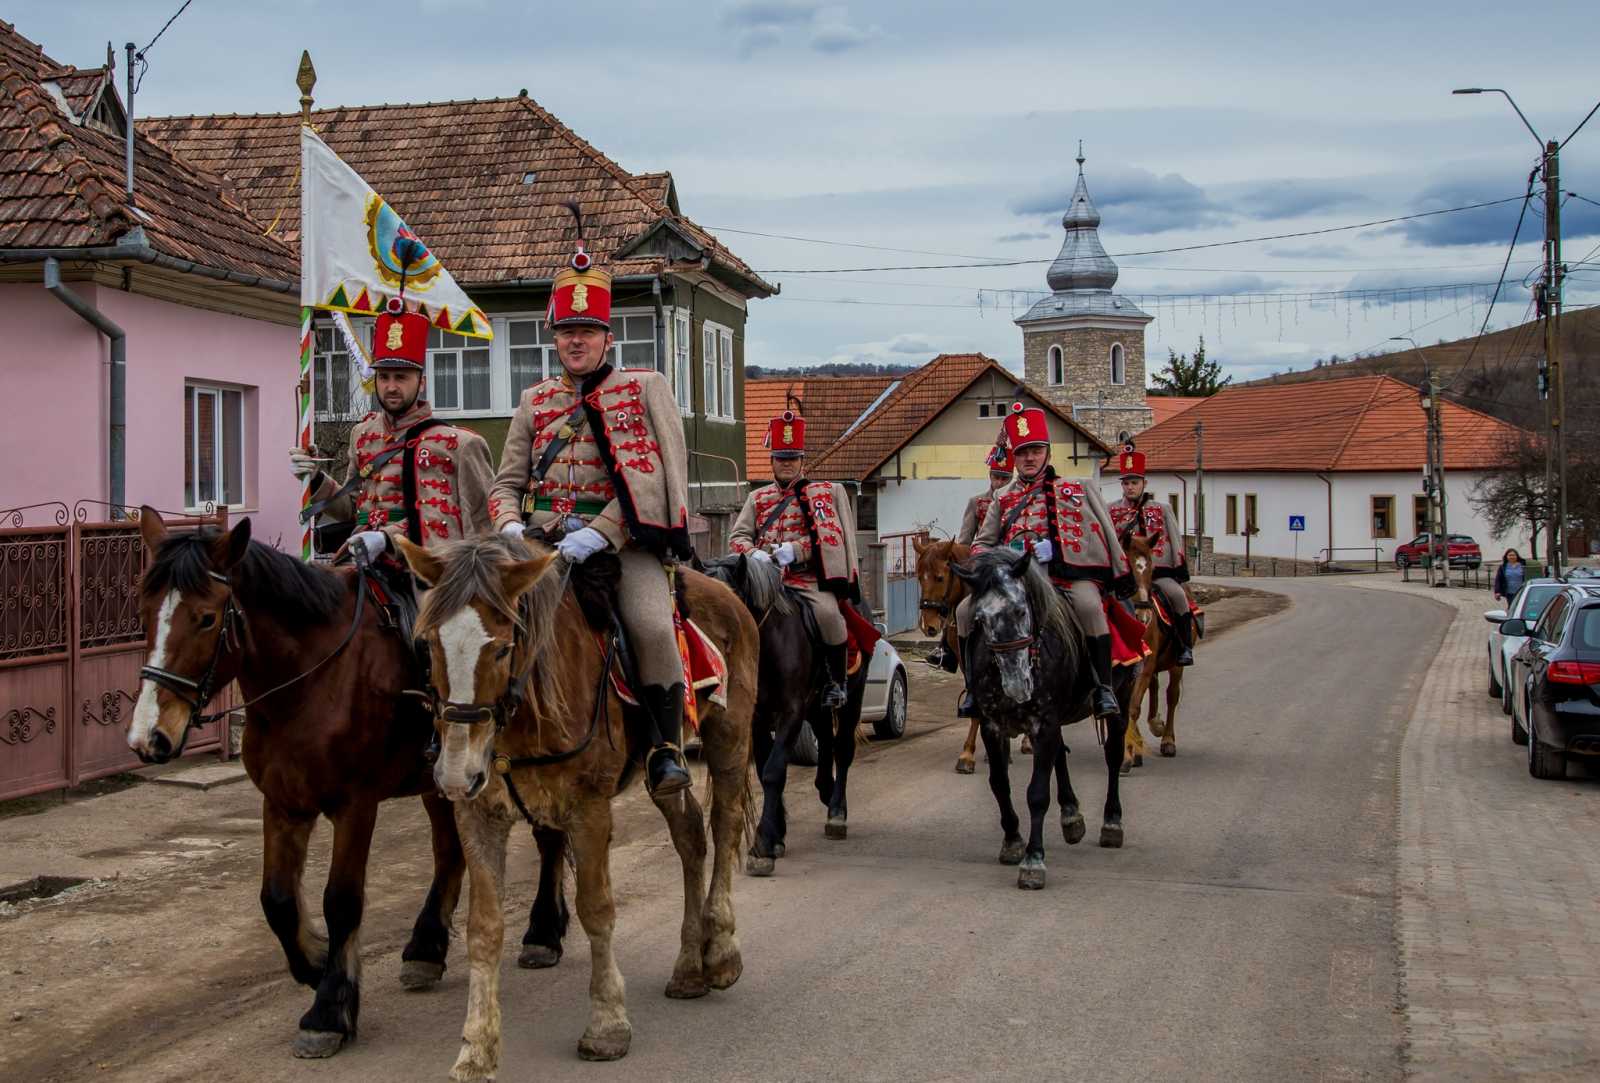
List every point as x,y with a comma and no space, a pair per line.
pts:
966,708
936,657
834,695
1102,697
1185,656
674,773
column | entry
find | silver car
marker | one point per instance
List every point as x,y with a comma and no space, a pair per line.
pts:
1526,606
883,703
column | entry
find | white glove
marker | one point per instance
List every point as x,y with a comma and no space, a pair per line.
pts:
514,528
580,545
376,541
760,554
784,554
1043,551
303,462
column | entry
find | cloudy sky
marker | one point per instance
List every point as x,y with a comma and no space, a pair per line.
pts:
948,130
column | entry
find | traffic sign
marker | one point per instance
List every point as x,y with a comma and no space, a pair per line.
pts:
1297,522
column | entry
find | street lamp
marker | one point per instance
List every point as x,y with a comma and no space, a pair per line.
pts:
1496,90
1428,399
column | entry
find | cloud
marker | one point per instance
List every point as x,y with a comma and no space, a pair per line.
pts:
1143,202
917,344
1292,198
764,24
904,348
1018,238
835,33
762,13
1311,251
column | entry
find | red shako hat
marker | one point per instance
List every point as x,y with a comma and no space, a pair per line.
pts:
1000,459
1026,425
580,295
786,436
1130,463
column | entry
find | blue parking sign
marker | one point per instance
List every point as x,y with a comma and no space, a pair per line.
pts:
1297,522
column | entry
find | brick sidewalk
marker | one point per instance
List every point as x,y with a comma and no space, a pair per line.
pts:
1499,882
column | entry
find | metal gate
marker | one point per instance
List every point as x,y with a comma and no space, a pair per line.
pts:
71,646
904,599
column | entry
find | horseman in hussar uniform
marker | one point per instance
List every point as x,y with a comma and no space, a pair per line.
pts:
595,462
1066,525
1001,468
408,473
1137,512
808,529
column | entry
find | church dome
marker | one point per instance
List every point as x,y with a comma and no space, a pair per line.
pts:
1082,264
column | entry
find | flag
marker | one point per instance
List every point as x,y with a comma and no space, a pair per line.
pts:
347,250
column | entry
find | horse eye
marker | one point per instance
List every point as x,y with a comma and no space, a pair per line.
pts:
208,620
503,653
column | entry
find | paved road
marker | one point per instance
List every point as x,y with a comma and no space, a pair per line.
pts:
1246,931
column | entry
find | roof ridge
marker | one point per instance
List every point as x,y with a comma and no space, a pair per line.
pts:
219,184
325,110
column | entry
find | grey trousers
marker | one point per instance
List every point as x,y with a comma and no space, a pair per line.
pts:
644,602
830,622
1172,597
1083,595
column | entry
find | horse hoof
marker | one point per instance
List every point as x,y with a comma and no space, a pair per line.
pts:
1111,836
1168,749
779,849
687,988
966,767
755,865
606,1047
1138,759
415,974
1031,876
1073,828
722,968
1126,768
1011,852
317,1044
836,828
538,957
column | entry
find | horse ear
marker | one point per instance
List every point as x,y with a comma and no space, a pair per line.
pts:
231,547
918,543
1019,567
521,576
152,528
423,564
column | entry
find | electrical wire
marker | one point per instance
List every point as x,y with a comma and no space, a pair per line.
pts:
139,57
1515,233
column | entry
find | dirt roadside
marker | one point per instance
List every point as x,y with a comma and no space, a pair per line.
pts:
164,939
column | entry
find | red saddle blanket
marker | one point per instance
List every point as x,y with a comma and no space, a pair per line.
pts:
861,637
1127,635
704,670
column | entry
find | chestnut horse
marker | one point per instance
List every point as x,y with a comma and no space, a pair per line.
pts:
1161,640
530,722
942,590
328,731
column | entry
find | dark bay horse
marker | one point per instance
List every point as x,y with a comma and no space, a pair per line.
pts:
1162,641
791,672
327,732
530,723
1030,674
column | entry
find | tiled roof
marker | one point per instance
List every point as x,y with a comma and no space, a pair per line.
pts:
62,185
482,182
831,404
1365,423
916,400
1163,407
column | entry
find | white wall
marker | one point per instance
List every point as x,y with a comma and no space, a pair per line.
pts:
1279,495
933,503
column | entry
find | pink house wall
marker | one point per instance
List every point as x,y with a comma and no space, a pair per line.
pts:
55,371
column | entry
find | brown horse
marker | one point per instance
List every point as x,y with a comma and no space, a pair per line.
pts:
327,732
530,722
943,590
1161,640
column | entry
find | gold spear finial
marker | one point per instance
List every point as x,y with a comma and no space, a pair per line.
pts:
305,79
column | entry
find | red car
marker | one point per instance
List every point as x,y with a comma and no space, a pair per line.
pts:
1464,552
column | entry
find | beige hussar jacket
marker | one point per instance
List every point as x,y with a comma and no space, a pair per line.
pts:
972,518
1157,521
818,522
1072,515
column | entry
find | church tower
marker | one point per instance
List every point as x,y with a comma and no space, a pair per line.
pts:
1083,346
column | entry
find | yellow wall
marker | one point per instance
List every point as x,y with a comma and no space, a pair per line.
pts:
928,460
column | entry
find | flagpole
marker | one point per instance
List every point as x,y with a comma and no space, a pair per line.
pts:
305,79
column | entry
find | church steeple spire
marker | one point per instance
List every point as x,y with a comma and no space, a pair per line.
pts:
1082,263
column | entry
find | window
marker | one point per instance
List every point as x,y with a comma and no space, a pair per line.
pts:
532,354
1177,511
1056,369
1119,367
725,364
708,363
636,341
1233,513
1419,513
458,371
330,378
1383,517
1250,522
682,364
1549,626
213,441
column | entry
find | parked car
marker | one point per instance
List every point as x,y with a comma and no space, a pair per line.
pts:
1463,552
1555,675
1526,606
883,703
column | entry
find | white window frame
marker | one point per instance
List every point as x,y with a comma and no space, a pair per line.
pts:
459,350
683,362
725,391
708,371
215,391
1055,366
548,361
716,344
1119,364
616,350
321,361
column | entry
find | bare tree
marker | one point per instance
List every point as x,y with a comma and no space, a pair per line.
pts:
1516,494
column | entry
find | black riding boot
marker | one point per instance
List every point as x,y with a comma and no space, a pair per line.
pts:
966,708
834,695
1105,700
664,769
1184,626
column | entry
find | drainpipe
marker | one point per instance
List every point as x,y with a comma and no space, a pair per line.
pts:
117,435
1326,480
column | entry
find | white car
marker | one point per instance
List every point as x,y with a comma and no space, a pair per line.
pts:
883,703
1527,605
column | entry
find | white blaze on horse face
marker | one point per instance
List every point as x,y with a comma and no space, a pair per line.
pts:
147,711
463,751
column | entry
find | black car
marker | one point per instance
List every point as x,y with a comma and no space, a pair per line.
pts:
1555,681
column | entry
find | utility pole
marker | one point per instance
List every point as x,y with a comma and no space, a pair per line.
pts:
1441,536
1100,415
1555,386
1199,490
1430,481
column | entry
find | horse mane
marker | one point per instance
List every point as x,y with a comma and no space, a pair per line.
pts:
265,581
1049,608
762,590
474,571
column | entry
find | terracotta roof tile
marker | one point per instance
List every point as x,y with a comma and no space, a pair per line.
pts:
1364,423
831,404
481,181
1163,407
62,184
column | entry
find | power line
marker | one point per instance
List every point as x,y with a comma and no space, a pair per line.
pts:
139,57
1155,251
1515,233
